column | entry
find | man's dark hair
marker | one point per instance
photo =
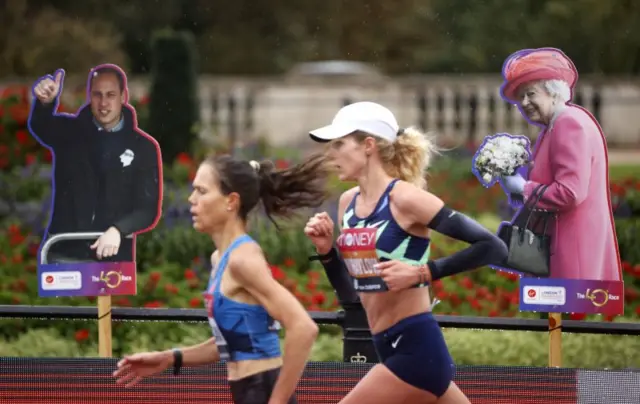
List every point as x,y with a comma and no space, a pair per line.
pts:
107,70
281,191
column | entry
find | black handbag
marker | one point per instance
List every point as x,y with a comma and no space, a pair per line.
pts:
529,247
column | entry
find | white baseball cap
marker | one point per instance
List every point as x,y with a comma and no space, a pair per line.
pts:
365,116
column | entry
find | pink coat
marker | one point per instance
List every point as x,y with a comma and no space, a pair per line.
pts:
571,157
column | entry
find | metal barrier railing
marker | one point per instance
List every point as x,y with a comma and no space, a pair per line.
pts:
357,344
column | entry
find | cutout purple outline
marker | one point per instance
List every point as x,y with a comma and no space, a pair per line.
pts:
510,59
86,104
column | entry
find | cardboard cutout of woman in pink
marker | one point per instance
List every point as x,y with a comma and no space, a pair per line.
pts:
570,156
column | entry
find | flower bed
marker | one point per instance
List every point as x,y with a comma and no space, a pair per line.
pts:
173,259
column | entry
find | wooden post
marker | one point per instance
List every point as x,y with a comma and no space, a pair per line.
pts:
104,326
555,340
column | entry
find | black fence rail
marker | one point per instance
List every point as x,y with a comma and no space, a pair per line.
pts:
357,346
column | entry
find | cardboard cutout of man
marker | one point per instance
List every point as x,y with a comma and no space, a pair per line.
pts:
107,172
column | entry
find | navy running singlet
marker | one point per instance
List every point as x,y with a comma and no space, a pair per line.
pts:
363,242
242,331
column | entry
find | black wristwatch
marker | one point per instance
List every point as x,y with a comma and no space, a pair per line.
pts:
177,361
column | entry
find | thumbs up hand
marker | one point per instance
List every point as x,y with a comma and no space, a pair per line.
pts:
48,87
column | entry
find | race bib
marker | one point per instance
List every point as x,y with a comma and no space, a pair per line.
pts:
358,249
221,342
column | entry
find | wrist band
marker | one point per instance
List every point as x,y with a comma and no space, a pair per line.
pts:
422,271
324,257
177,361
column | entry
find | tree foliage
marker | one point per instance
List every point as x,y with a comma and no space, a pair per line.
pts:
270,36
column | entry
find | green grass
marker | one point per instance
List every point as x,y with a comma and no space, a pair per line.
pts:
623,171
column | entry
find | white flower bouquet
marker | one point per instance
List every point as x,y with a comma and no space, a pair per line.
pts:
500,155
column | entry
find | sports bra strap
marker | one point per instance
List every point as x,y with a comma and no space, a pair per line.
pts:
222,264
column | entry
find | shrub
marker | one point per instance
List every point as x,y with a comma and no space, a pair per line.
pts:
468,347
173,110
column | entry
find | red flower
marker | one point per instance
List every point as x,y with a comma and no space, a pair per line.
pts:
29,159
195,302
302,298
494,313
638,310
466,283
123,302
184,159
504,301
20,285
20,92
318,298
189,274
617,190
442,295
155,276
19,113
33,249
630,294
82,335
278,274
312,285
290,284
577,316
482,292
171,288
153,305
455,300
22,137
289,262
16,239
609,318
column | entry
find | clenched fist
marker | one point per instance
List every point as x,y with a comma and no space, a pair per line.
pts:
319,229
48,87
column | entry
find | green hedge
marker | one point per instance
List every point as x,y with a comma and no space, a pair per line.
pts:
468,347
